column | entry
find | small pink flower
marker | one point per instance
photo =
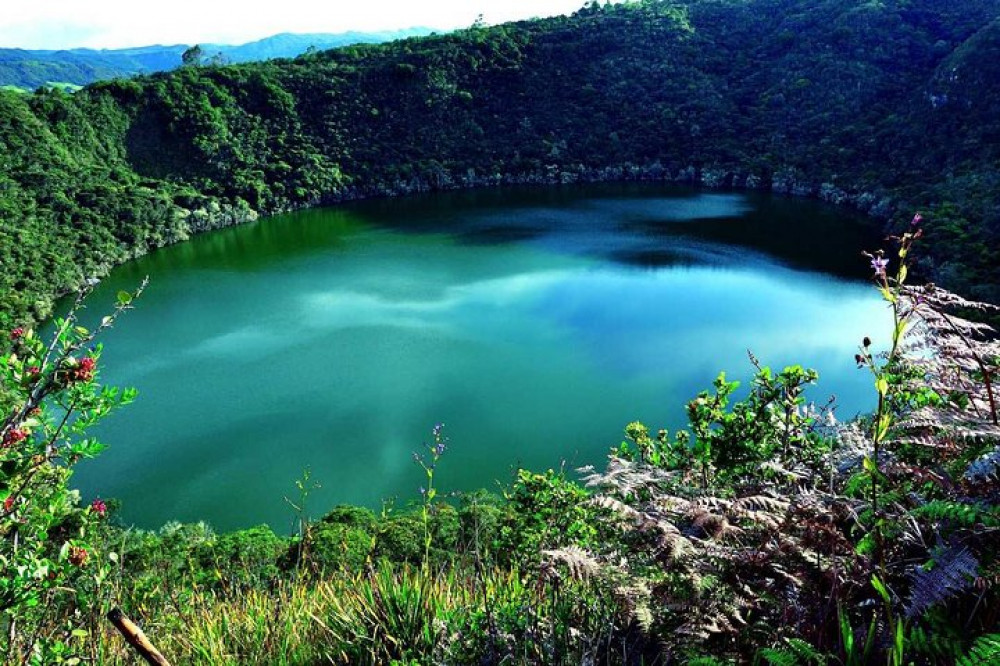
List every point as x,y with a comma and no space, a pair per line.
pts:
17,333
917,219
99,507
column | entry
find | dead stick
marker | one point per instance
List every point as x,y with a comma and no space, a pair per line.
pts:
137,639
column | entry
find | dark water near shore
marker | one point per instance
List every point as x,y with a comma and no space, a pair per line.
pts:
535,323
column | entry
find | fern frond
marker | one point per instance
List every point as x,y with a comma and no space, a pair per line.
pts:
761,503
581,565
707,661
936,644
985,468
636,597
617,507
984,652
798,653
623,477
953,571
959,514
779,657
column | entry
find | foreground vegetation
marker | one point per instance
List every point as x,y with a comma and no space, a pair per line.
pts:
765,531
887,106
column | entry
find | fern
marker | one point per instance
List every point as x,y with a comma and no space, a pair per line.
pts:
957,513
779,657
953,572
986,467
798,653
935,644
707,661
984,652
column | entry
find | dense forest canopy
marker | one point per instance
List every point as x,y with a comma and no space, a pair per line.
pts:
887,106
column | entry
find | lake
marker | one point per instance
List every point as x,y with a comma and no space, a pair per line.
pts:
534,323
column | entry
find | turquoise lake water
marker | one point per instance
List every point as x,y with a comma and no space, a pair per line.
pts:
534,323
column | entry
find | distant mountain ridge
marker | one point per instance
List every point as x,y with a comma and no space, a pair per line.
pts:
30,68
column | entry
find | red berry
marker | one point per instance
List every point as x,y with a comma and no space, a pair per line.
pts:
16,333
83,370
78,556
14,436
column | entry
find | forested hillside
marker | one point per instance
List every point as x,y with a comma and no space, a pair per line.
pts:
886,106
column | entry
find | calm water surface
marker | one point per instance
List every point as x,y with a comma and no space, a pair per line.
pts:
534,323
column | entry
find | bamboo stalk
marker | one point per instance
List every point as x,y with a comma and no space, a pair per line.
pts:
133,634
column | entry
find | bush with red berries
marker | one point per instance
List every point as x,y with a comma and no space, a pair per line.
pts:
49,399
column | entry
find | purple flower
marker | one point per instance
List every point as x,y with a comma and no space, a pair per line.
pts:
879,264
439,449
917,219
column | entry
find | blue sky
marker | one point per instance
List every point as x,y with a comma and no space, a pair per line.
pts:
54,24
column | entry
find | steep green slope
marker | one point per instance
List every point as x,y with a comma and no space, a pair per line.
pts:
856,102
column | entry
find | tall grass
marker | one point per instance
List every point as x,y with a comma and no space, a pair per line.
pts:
388,614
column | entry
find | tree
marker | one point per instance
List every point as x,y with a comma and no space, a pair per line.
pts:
193,56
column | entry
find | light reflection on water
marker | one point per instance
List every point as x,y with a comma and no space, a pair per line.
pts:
534,324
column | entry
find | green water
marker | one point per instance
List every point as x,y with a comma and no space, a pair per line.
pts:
535,323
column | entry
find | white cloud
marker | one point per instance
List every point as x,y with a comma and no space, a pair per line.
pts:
120,23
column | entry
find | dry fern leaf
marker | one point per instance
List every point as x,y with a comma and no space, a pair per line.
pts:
761,503
581,564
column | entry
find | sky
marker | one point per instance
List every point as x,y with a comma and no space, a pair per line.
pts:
58,24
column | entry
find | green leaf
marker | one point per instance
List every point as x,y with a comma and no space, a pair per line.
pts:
882,386
880,588
124,298
882,427
900,328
